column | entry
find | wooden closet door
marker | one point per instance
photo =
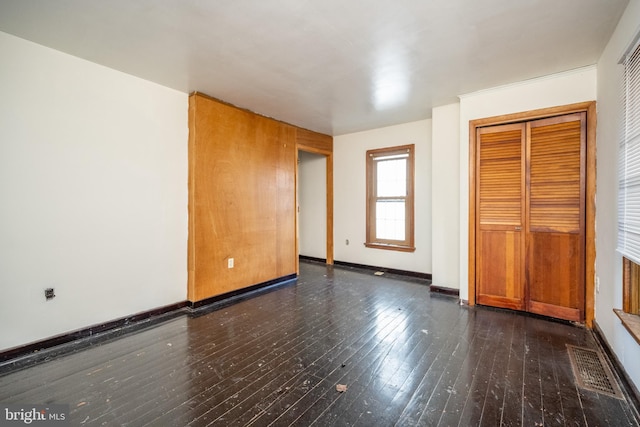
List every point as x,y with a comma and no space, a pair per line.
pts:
499,223
556,216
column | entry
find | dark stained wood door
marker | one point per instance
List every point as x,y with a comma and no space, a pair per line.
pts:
530,224
500,222
555,216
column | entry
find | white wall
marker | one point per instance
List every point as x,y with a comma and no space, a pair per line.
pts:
312,202
350,196
559,89
445,204
93,193
608,261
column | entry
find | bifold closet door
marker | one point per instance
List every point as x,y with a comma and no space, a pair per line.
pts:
530,221
500,244
556,153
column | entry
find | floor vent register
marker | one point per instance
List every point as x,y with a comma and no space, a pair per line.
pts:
591,371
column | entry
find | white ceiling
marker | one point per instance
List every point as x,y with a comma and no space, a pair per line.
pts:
334,66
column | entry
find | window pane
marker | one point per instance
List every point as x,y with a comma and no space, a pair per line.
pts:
390,219
629,162
390,198
392,177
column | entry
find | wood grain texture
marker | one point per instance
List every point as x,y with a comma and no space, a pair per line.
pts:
556,150
589,195
500,199
557,311
555,273
314,142
500,179
590,216
409,357
330,241
242,198
472,276
631,322
630,287
556,174
501,270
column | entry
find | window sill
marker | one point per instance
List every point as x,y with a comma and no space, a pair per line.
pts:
631,322
390,247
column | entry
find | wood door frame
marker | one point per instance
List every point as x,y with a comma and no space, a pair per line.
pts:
329,196
590,191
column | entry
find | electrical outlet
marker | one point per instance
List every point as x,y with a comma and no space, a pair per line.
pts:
230,263
49,293
347,242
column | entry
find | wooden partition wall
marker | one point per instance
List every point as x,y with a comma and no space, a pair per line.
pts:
242,199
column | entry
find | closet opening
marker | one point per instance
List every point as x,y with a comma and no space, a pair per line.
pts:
532,212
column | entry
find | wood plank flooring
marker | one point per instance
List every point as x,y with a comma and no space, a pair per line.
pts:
407,356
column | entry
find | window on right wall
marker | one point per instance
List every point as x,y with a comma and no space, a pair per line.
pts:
629,194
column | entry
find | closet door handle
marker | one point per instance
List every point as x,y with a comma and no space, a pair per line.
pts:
518,228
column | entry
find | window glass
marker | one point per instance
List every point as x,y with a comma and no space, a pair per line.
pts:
390,174
390,219
392,177
629,185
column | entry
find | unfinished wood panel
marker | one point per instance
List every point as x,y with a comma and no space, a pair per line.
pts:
242,199
555,238
500,200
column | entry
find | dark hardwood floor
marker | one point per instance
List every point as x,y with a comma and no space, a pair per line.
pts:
407,356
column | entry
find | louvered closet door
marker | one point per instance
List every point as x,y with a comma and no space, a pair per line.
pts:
500,220
555,216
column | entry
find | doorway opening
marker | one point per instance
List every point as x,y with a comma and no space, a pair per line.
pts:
312,218
314,199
